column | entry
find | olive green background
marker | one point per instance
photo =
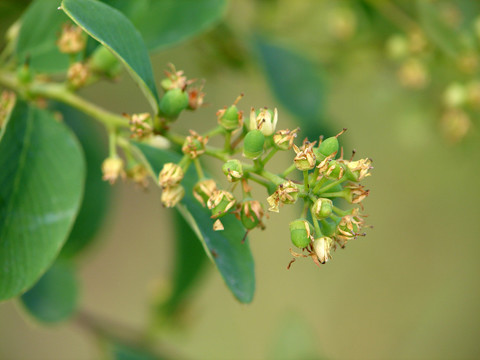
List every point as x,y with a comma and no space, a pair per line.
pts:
408,290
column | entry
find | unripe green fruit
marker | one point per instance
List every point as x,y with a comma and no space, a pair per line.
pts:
173,102
329,146
300,233
230,119
253,144
103,61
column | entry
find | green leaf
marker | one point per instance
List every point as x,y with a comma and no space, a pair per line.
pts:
297,83
189,262
41,24
126,352
168,22
97,193
437,30
225,248
113,29
41,184
54,297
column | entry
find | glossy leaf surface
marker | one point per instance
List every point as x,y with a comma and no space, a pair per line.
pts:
97,193
233,259
41,187
115,31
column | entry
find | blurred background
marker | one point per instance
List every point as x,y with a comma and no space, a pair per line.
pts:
408,290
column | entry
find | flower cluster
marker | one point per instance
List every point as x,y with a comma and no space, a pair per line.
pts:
328,178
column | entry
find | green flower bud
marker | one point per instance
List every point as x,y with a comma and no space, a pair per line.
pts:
301,233
203,190
322,208
233,170
173,103
253,144
220,202
251,213
322,248
171,196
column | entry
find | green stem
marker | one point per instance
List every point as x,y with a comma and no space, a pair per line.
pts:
199,169
215,131
288,170
305,209
340,211
305,180
112,143
315,175
269,156
340,194
259,181
318,232
175,138
277,180
227,147
214,152
185,163
61,93
318,189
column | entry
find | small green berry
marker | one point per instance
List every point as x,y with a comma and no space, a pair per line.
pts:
104,62
253,144
301,233
173,103
329,146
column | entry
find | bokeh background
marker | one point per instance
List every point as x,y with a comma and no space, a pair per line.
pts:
408,290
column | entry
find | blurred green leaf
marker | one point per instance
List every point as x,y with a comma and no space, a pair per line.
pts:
97,193
446,38
54,297
294,339
297,83
166,23
125,352
189,262
232,257
41,25
41,185
169,22
113,30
